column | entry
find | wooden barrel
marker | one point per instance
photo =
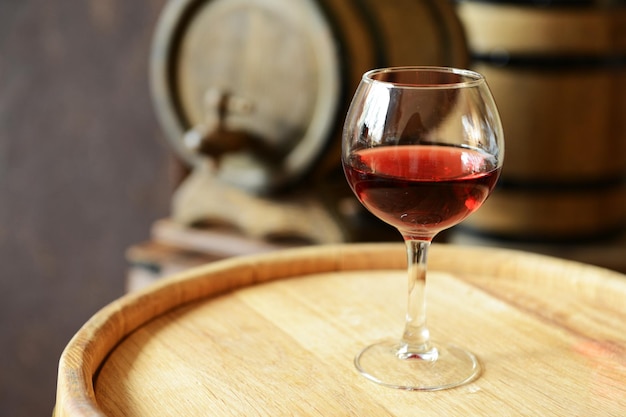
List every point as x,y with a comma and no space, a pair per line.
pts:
289,69
558,74
276,334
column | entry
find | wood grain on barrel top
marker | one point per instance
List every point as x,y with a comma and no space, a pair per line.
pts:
549,334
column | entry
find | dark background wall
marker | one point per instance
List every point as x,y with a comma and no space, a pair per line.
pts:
84,171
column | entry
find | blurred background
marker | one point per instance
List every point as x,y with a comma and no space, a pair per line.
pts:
99,193
84,170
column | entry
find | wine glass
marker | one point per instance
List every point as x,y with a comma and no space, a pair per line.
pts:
422,149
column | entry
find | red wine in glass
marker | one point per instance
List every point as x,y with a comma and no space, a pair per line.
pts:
421,189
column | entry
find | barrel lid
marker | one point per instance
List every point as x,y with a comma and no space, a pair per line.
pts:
275,60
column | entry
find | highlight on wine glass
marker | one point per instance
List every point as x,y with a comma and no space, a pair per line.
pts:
422,149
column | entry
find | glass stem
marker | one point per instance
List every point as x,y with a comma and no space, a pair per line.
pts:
416,338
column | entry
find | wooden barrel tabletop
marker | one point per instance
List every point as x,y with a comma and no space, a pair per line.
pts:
276,334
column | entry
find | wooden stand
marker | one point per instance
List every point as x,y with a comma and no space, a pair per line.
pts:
174,247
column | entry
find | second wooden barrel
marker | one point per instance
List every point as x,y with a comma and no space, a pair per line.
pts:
558,73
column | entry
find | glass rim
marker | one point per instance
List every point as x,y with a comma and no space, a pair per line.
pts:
470,78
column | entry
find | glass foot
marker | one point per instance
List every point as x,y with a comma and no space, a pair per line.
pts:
391,364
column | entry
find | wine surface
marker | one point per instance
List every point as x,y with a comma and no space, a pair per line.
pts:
421,189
